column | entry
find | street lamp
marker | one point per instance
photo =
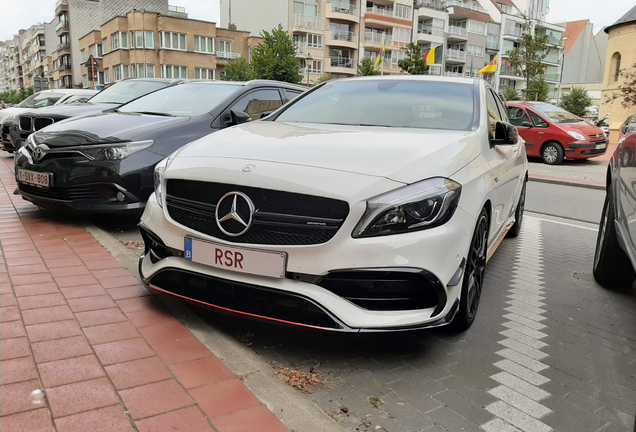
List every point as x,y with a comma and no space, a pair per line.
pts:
308,59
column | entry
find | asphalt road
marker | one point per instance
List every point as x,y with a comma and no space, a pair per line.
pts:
576,203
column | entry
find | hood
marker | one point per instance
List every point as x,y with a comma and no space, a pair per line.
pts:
70,110
583,127
9,112
400,154
104,128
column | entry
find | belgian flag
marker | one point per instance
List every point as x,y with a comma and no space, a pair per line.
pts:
434,56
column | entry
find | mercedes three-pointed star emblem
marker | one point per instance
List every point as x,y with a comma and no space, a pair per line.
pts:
234,213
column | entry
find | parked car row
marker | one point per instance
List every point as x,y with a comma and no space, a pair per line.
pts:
365,204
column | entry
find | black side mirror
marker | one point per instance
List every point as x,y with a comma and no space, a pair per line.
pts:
239,117
265,114
526,124
505,134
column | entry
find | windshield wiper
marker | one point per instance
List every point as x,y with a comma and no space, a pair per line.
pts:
155,113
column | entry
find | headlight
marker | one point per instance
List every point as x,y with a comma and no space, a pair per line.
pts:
577,136
160,170
422,205
117,151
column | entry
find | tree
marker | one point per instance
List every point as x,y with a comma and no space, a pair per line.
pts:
528,58
510,94
414,64
325,77
540,90
275,58
238,69
627,89
366,67
576,101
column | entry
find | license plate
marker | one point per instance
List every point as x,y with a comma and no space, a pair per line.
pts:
241,260
601,146
34,178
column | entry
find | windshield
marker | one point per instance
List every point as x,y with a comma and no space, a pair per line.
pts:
125,91
41,99
387,102
556,114
182,100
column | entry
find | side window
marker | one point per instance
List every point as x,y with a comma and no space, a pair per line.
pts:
257,102
493,112
502,108
538,121
291,94
518,116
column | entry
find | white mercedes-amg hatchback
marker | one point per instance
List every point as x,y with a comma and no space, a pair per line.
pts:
366,204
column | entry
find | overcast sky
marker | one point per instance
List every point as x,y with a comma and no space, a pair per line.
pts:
21,14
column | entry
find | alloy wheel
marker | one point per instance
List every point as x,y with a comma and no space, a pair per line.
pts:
550,154
476,266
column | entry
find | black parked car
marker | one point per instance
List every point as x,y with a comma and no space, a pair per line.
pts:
113,96
104,163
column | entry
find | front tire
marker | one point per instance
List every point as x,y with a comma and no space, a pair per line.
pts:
474,273
612,268
552,153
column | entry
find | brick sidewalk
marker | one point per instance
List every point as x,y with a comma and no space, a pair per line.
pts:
84,347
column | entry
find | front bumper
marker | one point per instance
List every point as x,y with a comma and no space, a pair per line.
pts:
585,150
83,186
330,286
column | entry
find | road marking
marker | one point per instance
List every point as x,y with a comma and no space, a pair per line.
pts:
518,406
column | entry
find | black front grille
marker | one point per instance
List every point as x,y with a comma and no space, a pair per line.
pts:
25,123
76,193
4,133
593,151
243,298
281,218
39,123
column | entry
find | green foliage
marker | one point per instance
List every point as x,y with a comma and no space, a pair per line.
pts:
325,77
414,64
16,96
366,67
576,101
275,58
510,94
238,69
541,90
528,58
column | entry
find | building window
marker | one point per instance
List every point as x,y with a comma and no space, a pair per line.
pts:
307,8
402,11
104,45
476,50
314,40
143,71
83,56
314,66
119,40
168,71
142,39
95,50
200,73
176,41
401,35
225,46
617,69
121,72
106,75
477,27
203,44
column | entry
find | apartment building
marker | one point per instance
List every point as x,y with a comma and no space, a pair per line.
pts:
20,58
149,44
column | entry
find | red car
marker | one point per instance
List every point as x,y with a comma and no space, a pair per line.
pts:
627,142
553,133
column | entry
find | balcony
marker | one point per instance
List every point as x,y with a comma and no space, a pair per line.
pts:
430,30
340,64
437,5
342,38
492,45
508,70
62,26
435,70
301,47
343,12
380,11
454,74
551,76
457,32
455,55
227,55
378,38
517,32
466,4
63,47
309,22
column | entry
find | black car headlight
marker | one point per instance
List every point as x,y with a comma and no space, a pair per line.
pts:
418,206
119,151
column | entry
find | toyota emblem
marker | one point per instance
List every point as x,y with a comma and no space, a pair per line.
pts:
234,213
40,152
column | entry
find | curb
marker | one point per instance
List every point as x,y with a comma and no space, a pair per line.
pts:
296,411
568,182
